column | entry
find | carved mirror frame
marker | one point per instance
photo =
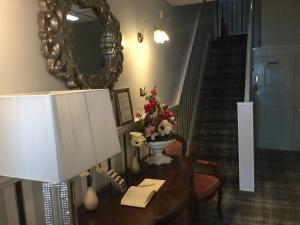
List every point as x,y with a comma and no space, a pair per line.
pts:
56,45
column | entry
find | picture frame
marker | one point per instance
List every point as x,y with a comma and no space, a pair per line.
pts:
123,106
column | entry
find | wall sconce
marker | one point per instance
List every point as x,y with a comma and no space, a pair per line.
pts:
160,36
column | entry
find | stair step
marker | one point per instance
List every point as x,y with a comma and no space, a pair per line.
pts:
207,121
212,74
214,63
229,41
213,148
234,92
227,52
223,82
225,128
216,133
241,37
212,140
228,59
219,104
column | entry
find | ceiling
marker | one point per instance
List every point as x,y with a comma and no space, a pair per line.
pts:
185,2
83,14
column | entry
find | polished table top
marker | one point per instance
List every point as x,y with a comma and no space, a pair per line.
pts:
174,194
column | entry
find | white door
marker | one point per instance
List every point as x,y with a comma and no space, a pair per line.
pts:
273,97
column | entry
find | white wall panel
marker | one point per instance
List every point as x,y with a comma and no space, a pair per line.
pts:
3,213
11,205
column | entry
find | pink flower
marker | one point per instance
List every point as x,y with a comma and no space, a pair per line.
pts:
153,91
150,132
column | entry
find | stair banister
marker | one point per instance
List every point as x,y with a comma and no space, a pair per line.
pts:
248,80
245,120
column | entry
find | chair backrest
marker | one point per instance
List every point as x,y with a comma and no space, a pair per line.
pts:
177,148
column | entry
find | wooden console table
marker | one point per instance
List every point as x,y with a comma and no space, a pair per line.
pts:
170,201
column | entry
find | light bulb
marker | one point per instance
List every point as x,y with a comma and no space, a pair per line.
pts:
160,36
71,17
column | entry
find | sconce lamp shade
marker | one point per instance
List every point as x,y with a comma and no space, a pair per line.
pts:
52,137
160,36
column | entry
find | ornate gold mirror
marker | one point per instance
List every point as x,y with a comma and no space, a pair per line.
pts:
81,41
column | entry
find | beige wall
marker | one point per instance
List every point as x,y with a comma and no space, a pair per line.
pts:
280,22
22,67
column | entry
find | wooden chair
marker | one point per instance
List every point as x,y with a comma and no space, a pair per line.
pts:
172,218
205,185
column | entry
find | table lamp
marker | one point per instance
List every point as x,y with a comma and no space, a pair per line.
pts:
53,136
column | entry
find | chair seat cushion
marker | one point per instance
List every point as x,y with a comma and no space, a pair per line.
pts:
174,149
205,185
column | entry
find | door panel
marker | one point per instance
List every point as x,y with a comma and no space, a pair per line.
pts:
275,74
297,124
273,91
297,105
273,122
297,76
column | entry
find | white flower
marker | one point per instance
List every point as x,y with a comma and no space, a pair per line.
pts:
100,168
137,141
164,128
136,134
84,173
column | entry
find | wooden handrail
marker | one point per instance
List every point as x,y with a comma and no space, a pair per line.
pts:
248,80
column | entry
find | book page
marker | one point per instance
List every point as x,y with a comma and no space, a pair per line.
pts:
138,196
155,184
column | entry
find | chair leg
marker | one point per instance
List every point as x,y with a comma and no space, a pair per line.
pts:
193,207
196,209
219,203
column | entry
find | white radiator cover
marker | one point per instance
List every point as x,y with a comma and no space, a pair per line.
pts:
246,146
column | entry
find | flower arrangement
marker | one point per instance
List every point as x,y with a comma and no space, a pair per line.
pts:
156,122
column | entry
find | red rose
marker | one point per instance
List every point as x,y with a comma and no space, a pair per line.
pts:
168,113
153,91
153,102
149,108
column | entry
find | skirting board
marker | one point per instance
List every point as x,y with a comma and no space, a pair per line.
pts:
246,146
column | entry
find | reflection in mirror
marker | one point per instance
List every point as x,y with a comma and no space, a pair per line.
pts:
86,34
81,41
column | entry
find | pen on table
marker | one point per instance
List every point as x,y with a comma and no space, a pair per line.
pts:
146,185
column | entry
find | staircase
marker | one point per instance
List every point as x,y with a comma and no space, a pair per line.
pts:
216,134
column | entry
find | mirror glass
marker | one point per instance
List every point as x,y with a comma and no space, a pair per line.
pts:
82,42
87,31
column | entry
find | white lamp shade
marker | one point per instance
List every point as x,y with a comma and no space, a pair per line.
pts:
52,137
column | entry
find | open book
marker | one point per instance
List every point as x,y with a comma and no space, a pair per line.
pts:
140,196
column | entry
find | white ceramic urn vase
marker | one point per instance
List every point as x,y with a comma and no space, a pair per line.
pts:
135,166
157,147
91,199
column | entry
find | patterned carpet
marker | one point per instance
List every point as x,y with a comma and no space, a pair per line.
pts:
215,136
275,202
